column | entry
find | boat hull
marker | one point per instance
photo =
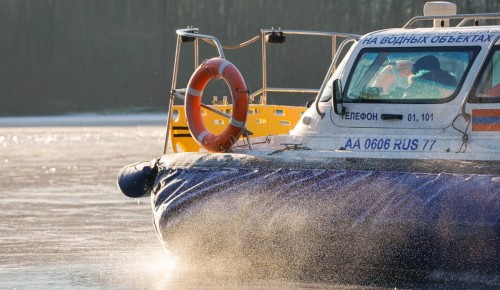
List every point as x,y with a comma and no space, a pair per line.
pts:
246,215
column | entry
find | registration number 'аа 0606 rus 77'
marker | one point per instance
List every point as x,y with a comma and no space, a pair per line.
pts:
390,144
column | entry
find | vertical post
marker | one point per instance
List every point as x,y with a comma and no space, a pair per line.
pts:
196,53
263,99
174,85
334,48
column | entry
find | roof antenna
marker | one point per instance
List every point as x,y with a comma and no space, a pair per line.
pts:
440,8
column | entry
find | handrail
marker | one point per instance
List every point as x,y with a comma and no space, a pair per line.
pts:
174,84
193,32
486,16
211,40
265,32
330,73
312,33
293,90
465,18
235,46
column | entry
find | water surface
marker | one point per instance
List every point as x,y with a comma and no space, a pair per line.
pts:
64,225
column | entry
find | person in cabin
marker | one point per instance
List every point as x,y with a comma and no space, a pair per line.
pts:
393,76
429,81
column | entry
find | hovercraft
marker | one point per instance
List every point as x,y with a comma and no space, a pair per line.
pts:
392,173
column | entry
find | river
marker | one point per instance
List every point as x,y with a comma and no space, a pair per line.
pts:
63,222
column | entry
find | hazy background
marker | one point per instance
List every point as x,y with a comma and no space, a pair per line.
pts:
110,56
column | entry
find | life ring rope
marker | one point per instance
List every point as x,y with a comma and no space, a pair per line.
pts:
216,68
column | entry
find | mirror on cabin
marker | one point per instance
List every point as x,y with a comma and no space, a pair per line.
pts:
337,103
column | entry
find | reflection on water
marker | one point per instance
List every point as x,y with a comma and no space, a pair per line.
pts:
65,225
63,222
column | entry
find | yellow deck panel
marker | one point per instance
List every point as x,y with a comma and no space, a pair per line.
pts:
262,120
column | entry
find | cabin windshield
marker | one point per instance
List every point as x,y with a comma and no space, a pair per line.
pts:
408,75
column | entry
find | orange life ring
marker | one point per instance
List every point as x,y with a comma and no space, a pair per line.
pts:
216,68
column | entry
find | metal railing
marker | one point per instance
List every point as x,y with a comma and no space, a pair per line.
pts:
265,89
192,35
464,17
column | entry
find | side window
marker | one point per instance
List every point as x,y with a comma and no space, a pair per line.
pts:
487,89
